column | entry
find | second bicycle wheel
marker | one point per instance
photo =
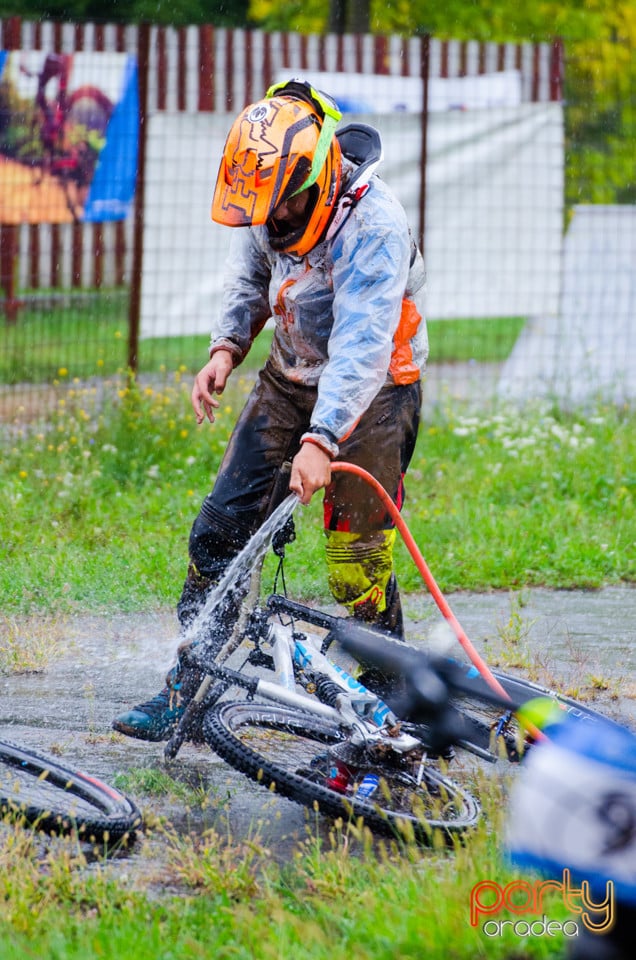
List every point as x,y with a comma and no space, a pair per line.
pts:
287,750
492,730
42,793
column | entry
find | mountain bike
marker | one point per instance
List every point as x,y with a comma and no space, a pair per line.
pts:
70,130
40,792
277,703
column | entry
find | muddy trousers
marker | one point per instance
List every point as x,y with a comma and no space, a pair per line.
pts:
359,532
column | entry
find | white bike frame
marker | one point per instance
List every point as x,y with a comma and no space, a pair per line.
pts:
357,708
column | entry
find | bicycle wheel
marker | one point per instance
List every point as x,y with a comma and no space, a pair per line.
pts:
493,731
288,750
87,117
42,793
90,108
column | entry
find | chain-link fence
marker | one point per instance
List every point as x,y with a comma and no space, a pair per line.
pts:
514,163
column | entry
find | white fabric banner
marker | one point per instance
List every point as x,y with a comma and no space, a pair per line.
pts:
379,93
587,352
493,214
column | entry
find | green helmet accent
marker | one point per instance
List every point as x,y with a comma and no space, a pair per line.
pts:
326,109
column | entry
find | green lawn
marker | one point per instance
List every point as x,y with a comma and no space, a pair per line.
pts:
97,501
499,501
88,337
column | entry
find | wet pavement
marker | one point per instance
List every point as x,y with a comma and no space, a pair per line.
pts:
581,641
576,641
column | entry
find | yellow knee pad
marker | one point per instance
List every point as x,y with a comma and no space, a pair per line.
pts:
359,567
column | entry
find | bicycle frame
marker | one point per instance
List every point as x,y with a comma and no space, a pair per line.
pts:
309,730
356,707
476,682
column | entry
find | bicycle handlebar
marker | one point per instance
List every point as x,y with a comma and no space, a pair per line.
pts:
429,681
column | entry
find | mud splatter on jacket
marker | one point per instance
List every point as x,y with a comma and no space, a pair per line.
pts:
348,316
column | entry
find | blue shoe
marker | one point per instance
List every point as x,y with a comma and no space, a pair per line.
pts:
154,720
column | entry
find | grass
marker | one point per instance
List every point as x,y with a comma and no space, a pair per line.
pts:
87,335
488,340
98,498
347,896
28,644
153,782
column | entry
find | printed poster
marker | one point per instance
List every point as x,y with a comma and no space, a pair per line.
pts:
68,136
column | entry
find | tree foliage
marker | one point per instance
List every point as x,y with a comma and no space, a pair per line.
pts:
600,76
497,20
229,13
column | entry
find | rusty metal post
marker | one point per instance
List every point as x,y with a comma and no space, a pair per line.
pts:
424,72
9,231
134,306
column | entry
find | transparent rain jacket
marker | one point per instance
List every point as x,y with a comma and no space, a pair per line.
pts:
348,316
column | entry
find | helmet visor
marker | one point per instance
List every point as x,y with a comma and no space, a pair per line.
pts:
264,162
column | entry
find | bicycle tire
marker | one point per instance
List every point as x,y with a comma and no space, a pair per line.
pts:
90,107
482,716
275,746
40,792
88,111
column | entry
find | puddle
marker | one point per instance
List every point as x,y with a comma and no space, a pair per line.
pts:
103,666
571,638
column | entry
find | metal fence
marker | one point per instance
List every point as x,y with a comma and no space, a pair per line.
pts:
479,168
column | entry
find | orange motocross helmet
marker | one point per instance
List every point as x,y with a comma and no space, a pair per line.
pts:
277,147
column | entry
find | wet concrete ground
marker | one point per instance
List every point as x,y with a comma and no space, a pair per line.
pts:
101,666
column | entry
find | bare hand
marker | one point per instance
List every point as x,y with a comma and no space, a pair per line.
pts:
311,470
212,378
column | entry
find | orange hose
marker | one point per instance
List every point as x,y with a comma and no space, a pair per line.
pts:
422,566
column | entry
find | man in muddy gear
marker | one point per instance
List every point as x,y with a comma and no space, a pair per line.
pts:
328,256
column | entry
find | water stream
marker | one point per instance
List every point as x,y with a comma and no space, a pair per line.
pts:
210,622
